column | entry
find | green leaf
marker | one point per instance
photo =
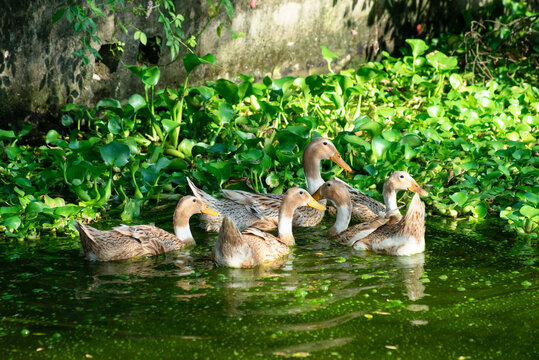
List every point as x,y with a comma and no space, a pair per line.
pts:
191,61
7,134
226,112
373,127
252,156
186,147
418,46
169,125
328,55
149,76
58,15
108,104
380,147
67,211
12,223
456,81
272,180
228,90
392,135
442,62
411,139
52,136
529,212
115,154
479,211
137,102
459,198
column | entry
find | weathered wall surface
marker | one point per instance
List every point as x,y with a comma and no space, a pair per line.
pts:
38,74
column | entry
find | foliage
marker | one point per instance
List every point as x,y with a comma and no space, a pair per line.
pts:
475,144
84,14
500,41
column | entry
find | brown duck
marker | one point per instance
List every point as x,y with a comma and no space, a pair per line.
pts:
124,241
389,232
248,209
254,247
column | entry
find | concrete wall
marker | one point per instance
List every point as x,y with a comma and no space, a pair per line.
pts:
38,74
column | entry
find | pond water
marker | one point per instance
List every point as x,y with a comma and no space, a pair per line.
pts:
472,295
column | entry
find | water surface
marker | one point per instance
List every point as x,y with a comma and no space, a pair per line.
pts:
472,295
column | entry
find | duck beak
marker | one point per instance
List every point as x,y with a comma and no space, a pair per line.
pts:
207,210
337,159
314,204
317,195
417,189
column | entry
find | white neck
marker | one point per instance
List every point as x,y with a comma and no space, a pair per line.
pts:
390,200
183,233
285,226
342,221
314,183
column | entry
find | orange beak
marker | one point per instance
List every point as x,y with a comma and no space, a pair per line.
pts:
317,195
417,189
337,159
207,210
314,204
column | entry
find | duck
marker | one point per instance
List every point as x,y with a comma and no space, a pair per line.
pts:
389,232
254,247
123,242
267,205
367,209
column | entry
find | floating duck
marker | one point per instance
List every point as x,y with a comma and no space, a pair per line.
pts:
123,242
253,246
389,232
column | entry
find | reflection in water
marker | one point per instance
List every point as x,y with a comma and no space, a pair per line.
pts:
411,269
304,350
104,274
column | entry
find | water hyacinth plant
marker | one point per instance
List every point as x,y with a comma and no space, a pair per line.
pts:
474,142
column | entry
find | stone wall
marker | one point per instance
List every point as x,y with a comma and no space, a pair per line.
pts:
39,74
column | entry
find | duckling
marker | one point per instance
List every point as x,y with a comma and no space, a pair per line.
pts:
123,242
253,246
372,235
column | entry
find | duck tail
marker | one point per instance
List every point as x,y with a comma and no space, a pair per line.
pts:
202,195
230,249
87,240
229,234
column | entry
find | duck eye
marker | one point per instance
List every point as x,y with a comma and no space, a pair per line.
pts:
402,176
301,192
325,142
194,200
329,185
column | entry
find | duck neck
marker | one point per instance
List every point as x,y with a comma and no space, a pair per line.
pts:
413,222
344,213
313,178
285,225
390,197
181,226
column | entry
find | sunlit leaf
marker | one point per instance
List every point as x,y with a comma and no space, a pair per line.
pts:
459,198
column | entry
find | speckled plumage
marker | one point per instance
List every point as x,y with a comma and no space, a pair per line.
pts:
406,237
251,248
267,205
383,233
123,242
242,215
255,247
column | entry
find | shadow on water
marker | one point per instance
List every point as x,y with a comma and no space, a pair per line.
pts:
469,296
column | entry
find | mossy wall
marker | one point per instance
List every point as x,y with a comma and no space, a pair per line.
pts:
39,74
